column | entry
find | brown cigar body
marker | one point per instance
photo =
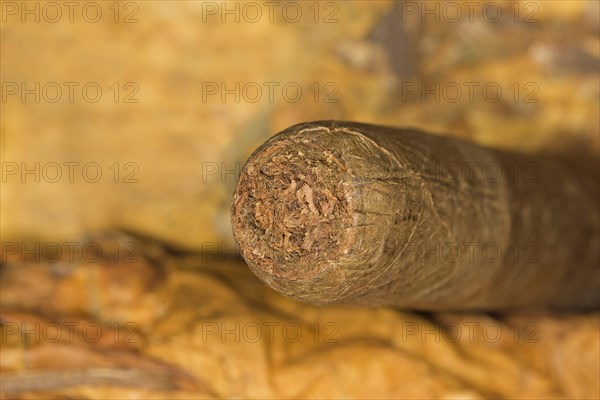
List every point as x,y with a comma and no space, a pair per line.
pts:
338,212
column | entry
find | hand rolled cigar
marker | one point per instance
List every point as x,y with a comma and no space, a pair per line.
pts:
339,212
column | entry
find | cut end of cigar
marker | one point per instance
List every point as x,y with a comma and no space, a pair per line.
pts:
292,208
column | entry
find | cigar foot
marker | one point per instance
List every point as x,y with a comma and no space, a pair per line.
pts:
293,210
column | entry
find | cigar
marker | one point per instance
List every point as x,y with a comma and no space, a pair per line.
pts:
334,212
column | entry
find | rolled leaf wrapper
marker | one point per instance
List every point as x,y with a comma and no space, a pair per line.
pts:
339,212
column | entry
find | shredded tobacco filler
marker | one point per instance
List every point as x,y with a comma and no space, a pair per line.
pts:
339,212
